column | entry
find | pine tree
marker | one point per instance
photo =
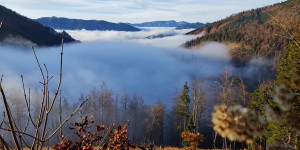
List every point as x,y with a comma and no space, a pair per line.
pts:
183,104
182,110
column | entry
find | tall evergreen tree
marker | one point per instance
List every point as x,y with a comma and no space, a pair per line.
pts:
182,109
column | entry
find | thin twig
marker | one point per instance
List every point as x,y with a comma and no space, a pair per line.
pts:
60,113
2,119
27,101
60,72
38,64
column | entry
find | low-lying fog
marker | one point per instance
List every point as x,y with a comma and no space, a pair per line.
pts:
152,68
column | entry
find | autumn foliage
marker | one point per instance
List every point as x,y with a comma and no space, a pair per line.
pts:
87,139
192,138
118,139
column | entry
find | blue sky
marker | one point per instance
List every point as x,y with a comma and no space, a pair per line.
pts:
135,11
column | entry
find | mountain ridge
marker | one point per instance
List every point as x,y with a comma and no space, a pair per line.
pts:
79,24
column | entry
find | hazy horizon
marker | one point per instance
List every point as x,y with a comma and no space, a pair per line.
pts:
135,11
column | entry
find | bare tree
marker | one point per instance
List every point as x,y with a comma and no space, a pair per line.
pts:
242,93
155,124
157,115
224,92
199,99
125,99
223,89
134,107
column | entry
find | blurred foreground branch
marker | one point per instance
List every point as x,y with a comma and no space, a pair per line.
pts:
41,122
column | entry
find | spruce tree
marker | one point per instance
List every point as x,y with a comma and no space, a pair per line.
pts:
184,100
182,109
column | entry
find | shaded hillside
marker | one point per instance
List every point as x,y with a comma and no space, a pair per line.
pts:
19,28
257,32
77,24
171,23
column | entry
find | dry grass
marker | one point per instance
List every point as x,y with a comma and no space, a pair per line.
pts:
176,148
156,148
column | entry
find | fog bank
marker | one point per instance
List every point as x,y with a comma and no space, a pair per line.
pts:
170,37
137,65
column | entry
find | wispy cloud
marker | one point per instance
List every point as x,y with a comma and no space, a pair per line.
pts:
137,37
135,10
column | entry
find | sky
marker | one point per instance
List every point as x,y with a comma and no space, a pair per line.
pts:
135,11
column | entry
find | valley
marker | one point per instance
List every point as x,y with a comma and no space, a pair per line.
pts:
94,84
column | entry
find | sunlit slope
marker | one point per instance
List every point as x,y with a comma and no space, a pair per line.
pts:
258,32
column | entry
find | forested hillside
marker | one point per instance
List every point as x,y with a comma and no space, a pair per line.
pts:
258,32
18,27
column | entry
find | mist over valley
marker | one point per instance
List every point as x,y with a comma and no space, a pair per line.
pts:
125,61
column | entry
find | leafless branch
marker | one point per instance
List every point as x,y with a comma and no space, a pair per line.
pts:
19,133
27,102
60,72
